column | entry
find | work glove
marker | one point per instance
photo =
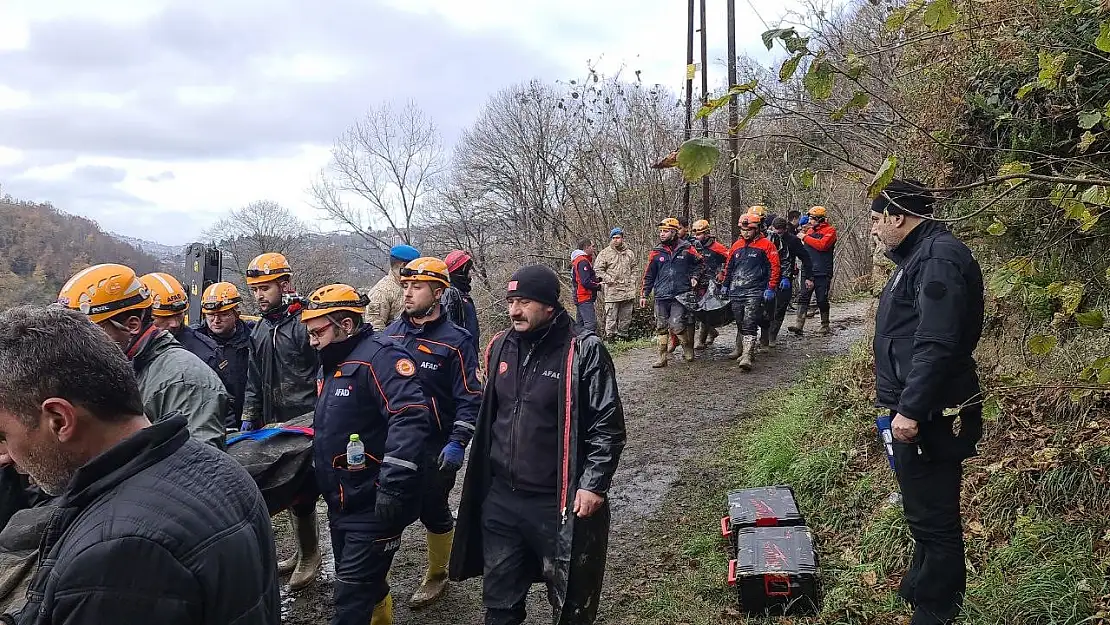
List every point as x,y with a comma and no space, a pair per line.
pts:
247,426
451,458
784,284
387,508
769,295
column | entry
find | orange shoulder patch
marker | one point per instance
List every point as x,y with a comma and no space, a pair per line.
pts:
405,367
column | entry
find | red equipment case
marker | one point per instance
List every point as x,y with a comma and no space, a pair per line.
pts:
775,570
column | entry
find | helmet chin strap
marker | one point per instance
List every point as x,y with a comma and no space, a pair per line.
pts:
423,313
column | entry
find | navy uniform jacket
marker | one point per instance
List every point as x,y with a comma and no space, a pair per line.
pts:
368,386
233,367
447,364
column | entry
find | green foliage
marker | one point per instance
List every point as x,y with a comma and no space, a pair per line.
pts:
820,78
1040,344
790,66
882,177
939,15
716,103
697,156
754,107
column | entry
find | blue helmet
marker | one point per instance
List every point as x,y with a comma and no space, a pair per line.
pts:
406,253
615,231
804,220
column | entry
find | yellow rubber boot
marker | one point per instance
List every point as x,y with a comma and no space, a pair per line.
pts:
434,585
383,612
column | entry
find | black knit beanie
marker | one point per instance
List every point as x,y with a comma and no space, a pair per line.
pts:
535,282
904,197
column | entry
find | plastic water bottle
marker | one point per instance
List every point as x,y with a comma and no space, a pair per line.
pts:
356,453
886,437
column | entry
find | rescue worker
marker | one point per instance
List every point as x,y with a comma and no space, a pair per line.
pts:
820,243
148,526
458,305
672,270
614,267
790,250
223,323
170,304
793,218
368,389
751,276
586,285
715,255
386,297
550,434
929,321
281,385
447,365
172,380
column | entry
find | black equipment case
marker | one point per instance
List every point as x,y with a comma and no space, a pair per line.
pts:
775,570
768,506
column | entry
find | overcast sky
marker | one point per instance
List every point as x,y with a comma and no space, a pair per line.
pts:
180,110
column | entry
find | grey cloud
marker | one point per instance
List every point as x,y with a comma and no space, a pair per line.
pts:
389,55
161,177
99,174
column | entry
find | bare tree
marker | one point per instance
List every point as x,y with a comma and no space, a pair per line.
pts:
381,170
266,226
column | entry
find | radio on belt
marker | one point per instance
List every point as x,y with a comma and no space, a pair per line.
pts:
769,506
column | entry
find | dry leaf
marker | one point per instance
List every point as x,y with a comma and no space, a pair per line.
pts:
870,578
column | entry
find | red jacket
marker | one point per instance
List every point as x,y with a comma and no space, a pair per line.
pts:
820,243
753,266
585,280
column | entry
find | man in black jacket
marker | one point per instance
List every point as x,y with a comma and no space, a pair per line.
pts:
929,321
281,385
150,525
791,251
550,433
223,323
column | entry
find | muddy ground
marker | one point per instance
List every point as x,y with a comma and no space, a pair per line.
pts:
672,415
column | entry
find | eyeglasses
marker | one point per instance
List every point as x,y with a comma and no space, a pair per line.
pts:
222,314
321,332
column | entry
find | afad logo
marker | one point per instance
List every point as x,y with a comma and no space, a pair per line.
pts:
405,367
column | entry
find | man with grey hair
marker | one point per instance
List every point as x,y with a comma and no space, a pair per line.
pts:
150,524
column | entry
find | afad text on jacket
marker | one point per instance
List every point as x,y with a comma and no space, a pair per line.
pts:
669,269
753,266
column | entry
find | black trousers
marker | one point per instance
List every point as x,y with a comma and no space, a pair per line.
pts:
748,310
435,512
362,560
518,536
821,285
930,484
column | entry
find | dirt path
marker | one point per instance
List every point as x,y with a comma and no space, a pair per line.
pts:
671,414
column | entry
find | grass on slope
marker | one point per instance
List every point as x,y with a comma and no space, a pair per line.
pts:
1037,534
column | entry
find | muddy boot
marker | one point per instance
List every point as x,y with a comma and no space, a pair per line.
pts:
687,338
825,331
746,355
703,335
764,338
774,341
287,565
308,551
672,343
664,343
713,334
738,348
799,322
383,612
434,585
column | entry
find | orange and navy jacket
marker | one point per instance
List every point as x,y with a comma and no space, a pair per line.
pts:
447,365
753,266
583,278
715,254
669,269
369,386
820,243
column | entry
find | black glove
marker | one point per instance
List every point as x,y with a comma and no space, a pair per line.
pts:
388,508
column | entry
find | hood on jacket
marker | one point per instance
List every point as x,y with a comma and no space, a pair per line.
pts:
151,344
575,254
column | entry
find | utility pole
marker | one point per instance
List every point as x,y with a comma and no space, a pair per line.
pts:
689,93
704,120
733,121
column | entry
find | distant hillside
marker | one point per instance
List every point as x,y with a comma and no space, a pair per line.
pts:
41,247
167,254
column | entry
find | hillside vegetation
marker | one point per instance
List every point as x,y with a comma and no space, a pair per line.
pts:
41,247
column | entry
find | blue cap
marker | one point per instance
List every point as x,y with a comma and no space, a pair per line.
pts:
615,231
406,253
803,220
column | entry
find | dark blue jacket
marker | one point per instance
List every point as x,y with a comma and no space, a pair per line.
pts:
930,319
753,266
820,243
202,346
156,530
232,369
369,386
447,364
583,277
669,269
459,308
791,251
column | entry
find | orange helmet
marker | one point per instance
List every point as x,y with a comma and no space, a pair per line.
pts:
749,220
670,223
759,210
818,211
219,297
167,294
331,298
267,268
700,226
104,291
426,269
